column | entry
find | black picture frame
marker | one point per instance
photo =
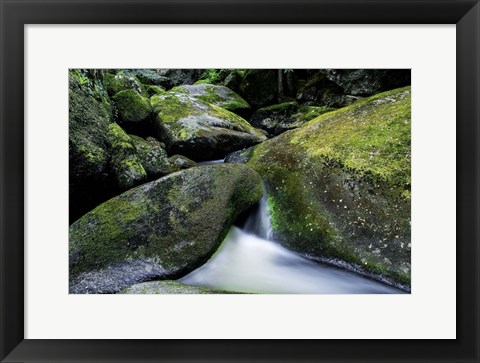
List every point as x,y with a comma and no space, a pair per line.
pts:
16,13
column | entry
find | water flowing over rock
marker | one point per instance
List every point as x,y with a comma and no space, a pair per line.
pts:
339,186
162,229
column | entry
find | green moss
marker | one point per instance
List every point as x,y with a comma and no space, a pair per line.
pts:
93,155
124,162
281,107
371,137
170,107
109,229
131,106
180,117
154,90
307,113
213,94
202,81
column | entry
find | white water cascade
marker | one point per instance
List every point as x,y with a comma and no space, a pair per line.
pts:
249,261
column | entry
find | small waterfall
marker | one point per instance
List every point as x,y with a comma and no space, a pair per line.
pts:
259,221
249,261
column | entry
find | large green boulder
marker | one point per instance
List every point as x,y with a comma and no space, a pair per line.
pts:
200,130
169,287
339,186
159,230
216,95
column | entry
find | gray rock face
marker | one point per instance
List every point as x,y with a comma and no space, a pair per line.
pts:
341,87
178,77
260,87
148,76
89,118
200,130
162,229
367,82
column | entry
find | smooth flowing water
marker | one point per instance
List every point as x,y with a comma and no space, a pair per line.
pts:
249,261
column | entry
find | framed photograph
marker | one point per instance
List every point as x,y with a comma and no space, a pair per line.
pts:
239,181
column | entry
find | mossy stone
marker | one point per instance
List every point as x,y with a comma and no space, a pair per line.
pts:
200,130
169,287
152,156
121,82
154,90
169,227
339,186
275,119
88,120
132,107
180,162
216,95
125,165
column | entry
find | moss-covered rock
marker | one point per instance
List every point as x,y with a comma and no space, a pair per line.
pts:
89,117
132,107
177,77
307,113
121,82
200,130
169,287
126,167
152,156
275,119
159,230
260,87
154,90
318,89
180,162
154,77
234,79
339,186
216,95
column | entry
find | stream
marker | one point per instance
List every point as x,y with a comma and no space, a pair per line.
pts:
250,261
